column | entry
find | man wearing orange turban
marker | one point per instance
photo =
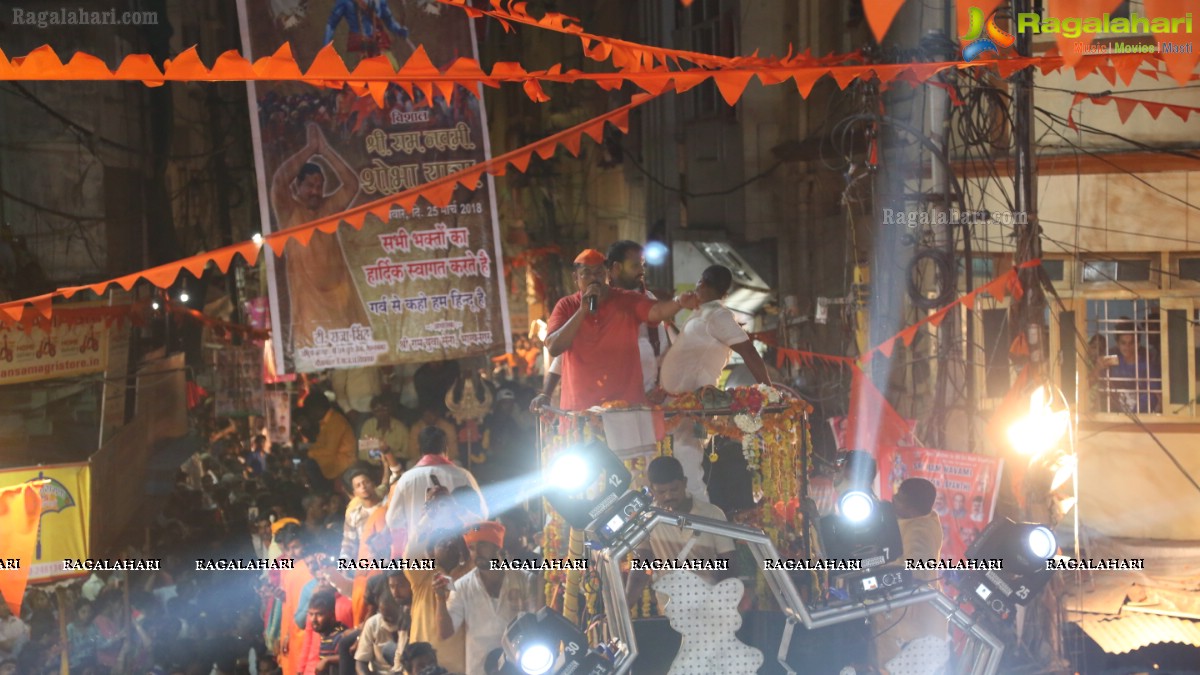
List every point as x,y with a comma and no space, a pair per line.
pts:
485,600
596,331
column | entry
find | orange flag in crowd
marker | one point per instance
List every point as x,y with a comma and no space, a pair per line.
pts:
20,509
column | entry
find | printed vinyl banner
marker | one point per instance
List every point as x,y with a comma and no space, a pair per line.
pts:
967,484
63,531
66,351
428,284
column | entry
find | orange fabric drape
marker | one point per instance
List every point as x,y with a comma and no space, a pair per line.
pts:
20,511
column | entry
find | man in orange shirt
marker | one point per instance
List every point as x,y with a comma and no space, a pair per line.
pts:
335,448
596,331
291,540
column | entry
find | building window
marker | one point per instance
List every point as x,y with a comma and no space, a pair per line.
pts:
1118,272
707,27
1125,350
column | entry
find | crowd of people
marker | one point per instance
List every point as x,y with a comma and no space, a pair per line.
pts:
379,468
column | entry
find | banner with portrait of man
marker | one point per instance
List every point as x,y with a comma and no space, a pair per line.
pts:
968,487
428,283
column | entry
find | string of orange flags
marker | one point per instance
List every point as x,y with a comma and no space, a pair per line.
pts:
373,75
1004,285
437,192
1126,106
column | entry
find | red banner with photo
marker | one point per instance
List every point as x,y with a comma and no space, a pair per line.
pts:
967,484
426,283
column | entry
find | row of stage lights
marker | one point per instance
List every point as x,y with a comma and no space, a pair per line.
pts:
591,490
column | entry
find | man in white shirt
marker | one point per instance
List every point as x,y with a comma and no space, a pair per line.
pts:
406,501
700,354
484,601
668,486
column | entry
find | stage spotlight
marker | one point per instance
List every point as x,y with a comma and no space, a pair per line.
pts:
569,471
856,506
584,481
184,297
1024,549
656,252
1045,424
532,644
1042,543
864,529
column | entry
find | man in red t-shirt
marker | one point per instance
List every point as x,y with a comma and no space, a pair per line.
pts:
601,362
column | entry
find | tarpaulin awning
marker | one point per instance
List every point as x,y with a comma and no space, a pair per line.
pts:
1128,632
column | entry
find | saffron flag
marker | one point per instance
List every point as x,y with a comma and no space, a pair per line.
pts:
872,422
20,510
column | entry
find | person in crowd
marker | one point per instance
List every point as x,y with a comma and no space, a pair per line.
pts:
320,656
439,535
406,501
316,508
431,417
1135,378
419,658
261,536
384,636
14,632
82,636
293,542
432,380
256,458
669,489
698,357
356,390
383,435
519,534
335,448
600,346
484,601
626,265
366,501
897,632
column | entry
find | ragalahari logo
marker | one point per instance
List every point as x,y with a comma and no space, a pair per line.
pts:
975,44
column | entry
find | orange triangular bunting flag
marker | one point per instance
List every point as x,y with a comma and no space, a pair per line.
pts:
880,14
20,511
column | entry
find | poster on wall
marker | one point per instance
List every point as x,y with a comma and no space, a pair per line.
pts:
238,383
428,283
65,350
968,486
279,417
63,529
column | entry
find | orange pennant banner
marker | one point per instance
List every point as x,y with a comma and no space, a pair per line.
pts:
20,512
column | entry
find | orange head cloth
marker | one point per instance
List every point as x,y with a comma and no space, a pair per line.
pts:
488,530
590,256
278,525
